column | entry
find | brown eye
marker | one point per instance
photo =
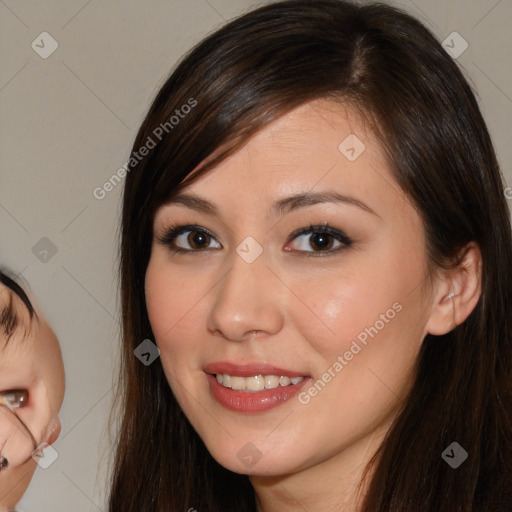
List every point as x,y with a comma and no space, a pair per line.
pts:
321,238
188,239
197,239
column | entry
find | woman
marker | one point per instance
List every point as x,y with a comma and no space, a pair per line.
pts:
374,376
31,389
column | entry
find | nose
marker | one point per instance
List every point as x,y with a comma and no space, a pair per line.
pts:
249,298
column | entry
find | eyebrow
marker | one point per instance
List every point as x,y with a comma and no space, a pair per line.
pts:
12,285
9,319
278,208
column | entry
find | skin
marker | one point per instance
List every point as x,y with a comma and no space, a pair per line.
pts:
204,306
30,361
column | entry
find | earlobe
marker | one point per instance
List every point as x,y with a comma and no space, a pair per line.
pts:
442,320
458,293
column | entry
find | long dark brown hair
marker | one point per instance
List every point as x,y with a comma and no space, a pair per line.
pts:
239,79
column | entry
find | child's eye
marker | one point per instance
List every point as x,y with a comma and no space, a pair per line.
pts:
193,238
14,399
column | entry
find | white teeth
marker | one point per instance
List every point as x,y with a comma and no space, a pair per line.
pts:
284,381
237,382
257,382
271,381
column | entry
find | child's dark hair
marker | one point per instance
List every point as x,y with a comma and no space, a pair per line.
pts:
9,317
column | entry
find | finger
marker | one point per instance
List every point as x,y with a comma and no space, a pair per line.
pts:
17,445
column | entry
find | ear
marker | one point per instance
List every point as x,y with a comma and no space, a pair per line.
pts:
457,292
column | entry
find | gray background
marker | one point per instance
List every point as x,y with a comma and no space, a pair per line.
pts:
67,124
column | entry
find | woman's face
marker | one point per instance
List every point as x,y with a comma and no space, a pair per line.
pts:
349,317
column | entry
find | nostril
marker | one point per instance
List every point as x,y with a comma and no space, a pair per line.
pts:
4,463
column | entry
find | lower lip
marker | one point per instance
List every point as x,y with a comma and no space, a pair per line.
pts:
253,401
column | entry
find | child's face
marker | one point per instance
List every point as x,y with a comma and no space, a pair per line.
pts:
30,360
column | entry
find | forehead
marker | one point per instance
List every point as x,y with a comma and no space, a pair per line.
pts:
316,129
321,145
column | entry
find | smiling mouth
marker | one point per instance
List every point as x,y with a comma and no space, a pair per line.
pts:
256,383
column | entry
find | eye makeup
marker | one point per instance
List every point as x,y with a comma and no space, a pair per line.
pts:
173,232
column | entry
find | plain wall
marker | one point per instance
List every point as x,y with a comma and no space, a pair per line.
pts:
67,124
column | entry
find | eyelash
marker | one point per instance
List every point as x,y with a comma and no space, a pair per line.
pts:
174,231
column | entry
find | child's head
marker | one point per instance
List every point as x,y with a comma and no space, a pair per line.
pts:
31,388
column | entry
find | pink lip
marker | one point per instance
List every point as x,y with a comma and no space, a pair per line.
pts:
249,370
247,401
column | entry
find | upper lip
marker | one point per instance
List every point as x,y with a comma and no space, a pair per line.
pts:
249,370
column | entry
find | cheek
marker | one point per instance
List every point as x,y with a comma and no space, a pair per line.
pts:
51,369
166,297
336,309
364,300
173,303
362,340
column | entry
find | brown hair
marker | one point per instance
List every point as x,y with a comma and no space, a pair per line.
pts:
239,79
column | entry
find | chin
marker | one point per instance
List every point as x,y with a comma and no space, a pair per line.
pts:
249,460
